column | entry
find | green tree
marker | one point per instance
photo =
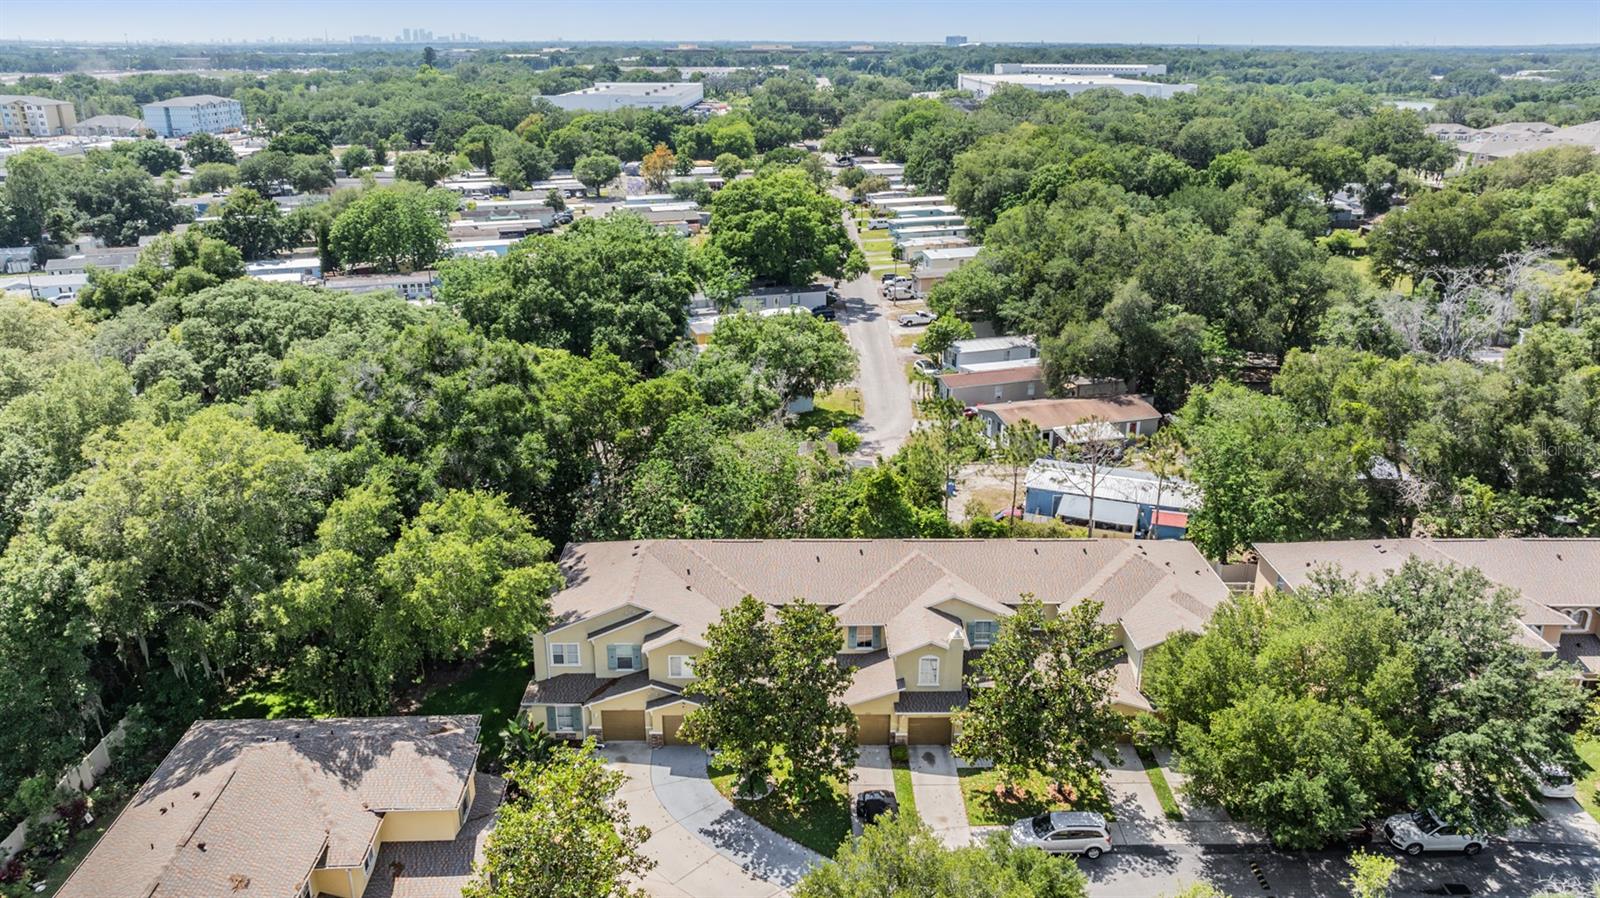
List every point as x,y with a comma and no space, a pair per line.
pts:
36,197
778,225
119,202
901,856
394,228
556,200
213,177
155,157
942,333
595,171
355,159
426,169
752,665
1371,875
518,164
563,831
252,223
797,356
202,148
728,166
1046,700
614,284
263,172
301,139
308,173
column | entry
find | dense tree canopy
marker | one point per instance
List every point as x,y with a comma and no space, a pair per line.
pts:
778,226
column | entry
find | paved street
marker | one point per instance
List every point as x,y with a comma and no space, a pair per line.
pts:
885,391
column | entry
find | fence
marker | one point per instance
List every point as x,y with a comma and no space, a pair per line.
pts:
79,779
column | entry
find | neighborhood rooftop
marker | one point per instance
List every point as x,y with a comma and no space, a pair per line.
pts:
1047,414
266,802
196,100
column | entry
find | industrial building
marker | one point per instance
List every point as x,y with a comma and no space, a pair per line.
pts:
982,86
182,116
607,95
1077,68
27,116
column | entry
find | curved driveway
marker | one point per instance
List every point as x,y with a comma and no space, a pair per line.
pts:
702,846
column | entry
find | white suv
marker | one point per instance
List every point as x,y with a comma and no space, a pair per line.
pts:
1421,831
1066,832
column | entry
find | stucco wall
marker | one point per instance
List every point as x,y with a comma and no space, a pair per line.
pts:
950,673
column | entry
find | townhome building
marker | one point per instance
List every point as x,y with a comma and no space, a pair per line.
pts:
1556,582
378,807
617,662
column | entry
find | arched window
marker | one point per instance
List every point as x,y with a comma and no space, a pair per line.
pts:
1580,620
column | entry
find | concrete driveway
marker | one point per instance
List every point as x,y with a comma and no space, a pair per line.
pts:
938,789
702,846
872,771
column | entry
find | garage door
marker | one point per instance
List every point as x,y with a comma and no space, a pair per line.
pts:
669,731
872,729
928,730
622,726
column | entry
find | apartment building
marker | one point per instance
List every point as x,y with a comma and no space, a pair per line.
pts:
378,807
618,661
182,116
29,116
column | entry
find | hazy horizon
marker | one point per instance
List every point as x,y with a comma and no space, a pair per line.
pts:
1232,23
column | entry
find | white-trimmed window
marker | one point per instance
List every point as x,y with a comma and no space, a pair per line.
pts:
981,633
466,805
624,657
1581,619
563,718
564,654
864,637
680,667
928,671
372,858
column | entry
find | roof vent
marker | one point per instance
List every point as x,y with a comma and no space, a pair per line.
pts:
200,845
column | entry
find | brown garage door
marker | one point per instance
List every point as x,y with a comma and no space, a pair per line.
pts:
928,730
669,731
872,729
622,726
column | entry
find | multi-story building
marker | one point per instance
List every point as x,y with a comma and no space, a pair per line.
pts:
618,661
608,95
182,116
28,116
375,807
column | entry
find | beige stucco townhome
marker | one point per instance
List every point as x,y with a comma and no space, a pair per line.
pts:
618,661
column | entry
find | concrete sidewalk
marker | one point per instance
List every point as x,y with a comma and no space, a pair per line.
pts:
938,789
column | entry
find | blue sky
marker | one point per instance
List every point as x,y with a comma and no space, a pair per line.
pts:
1310,22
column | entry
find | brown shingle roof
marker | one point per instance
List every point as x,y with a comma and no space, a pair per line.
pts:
438,869
1018,375
1051,413
266,797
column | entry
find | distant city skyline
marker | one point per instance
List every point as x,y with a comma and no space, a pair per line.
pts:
1377,23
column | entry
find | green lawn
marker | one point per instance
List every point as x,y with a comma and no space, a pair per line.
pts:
1589,779
1158,781
820,827
494,690
840,408
272,699
984,808
899,762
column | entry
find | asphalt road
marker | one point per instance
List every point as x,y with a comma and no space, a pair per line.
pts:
885,390
1515,870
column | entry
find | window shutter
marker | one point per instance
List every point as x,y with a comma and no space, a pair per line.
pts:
611,657
549,719
877,637
850,640
638,657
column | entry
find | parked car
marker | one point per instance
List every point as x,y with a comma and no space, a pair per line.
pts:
1556,782
1066,832
877,224
826,313
898,292
926,366
912,319
1420,831
874,803
892,277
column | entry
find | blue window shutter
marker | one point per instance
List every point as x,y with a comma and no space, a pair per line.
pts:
850,638
638,657
549,719
611,657
877,637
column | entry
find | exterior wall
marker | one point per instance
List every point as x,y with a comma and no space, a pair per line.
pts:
955,358
985,395
632,701
20,117
538,714
950,672
879,638
419,826
346,882
178,121
578,633
884,705
656,661
632,634
1266,577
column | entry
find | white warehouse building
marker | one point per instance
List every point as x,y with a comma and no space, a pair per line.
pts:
607,95
1077,68
984,85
